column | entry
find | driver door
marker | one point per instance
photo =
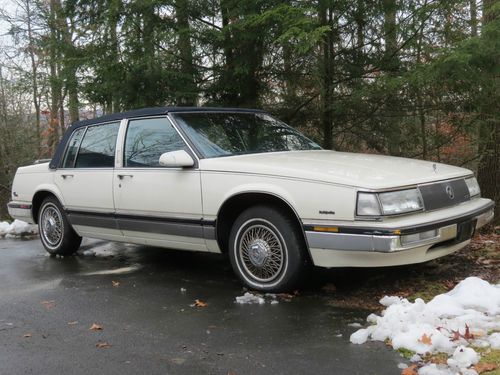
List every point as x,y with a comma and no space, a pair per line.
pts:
157,205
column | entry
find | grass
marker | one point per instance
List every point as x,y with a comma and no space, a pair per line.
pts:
428,291
490,356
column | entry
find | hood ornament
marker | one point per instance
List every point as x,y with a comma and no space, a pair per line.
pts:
434,166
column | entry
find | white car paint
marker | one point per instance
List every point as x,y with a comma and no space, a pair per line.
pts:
319,186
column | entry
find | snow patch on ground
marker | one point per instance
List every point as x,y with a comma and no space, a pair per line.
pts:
16,229
250,298
450,323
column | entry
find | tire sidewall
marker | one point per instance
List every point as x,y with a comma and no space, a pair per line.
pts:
69,241
287,234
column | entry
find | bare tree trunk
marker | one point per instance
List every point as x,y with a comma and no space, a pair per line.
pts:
473,17
34,75
188,96
391,66
489,137
55,85
325,16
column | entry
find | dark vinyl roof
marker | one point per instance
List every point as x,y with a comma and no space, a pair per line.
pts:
143,112
156,111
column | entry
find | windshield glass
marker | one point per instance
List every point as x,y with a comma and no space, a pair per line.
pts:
225,134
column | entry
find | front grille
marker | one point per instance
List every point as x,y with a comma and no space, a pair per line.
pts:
444,194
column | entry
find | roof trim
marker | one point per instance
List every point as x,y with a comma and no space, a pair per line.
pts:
155,111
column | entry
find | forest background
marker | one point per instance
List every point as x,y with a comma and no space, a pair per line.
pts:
414,78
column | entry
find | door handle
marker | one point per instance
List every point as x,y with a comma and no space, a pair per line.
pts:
65,176
122,176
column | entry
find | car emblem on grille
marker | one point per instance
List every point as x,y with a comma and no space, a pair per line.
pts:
450,192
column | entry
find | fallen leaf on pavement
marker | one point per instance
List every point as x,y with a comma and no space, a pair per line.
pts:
329,288
287,297
426,340
231,372
484,367
48,304
102,345
27,335
73,322
200,303
95,327
412,370
115,283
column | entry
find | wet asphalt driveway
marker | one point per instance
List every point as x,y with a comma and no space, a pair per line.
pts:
47,306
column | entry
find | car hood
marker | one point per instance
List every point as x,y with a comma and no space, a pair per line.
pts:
361,170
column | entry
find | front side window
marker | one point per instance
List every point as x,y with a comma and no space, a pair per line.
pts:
225,133
73,144
98,146
148,139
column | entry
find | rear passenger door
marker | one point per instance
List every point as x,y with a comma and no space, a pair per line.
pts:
160,205
86,180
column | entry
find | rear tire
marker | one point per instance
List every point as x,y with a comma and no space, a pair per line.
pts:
267,250
56,233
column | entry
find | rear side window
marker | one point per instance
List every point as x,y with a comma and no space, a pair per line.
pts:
98,147
147,139
73,144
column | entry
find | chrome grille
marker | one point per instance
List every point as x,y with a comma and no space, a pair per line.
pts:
444,194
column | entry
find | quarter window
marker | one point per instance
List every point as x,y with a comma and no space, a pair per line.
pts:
71,151
147,139
98,147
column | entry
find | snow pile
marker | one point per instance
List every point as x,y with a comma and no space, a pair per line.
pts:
17,228
249,298
260,299
467,315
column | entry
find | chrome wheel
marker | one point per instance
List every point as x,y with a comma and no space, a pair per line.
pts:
261,252
51,225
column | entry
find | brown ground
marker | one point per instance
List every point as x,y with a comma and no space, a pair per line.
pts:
363,288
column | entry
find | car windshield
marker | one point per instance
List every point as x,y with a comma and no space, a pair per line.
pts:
224,134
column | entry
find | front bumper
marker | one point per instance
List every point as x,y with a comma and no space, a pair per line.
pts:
341,246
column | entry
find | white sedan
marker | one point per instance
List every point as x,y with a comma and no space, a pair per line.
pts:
244,183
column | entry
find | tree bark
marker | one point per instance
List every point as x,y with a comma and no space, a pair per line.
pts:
489,138
325,17
34,75
188,95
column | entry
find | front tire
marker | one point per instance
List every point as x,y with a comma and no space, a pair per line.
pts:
267,250
56,233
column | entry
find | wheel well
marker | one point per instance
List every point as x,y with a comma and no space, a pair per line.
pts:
37,202
235,205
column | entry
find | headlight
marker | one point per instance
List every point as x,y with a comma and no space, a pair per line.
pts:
368,204
398,202
473,186
390,203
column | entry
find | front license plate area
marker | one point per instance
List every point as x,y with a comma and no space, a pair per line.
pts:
465,230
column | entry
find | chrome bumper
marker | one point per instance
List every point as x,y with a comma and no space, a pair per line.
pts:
20,211
393,239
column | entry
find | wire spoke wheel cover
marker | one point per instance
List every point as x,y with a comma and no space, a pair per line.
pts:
261,250
52,227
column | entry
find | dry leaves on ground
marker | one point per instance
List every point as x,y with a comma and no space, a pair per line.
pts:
426,340
485,367
73,322
102,345
115,283
200,303
27,335
412,370
48,304
95,327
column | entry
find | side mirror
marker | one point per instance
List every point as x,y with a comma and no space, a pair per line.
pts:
179,159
